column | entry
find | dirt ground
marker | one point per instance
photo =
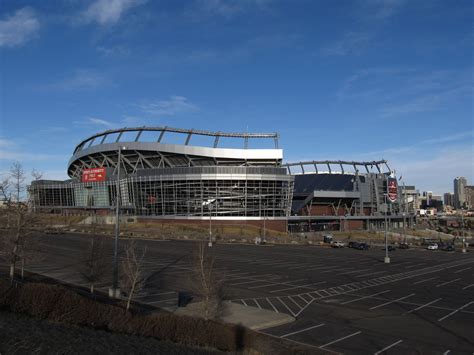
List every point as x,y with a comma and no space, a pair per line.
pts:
20,334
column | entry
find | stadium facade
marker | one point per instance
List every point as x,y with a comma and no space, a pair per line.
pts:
162,176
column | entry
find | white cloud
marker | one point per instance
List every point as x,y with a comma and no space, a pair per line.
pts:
18,28
94,121
81,79
226,8
173,106
4,143
108,12
351,43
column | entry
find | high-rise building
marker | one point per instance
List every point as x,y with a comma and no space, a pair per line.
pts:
448,199
459,194
469,193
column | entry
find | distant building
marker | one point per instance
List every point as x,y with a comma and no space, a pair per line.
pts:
459,194
469,194
411,198
448,199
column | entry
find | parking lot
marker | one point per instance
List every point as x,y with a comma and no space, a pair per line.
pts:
344,300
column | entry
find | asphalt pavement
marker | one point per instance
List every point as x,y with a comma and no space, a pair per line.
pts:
343,300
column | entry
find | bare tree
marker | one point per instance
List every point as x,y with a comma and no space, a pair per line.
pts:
133,270
94,262
17,234
208,283
36,175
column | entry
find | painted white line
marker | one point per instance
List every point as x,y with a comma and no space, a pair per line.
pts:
455,311
423,306
361,298
446,352
258,304
301,297
288,308
426,280
372,273
338,340
292,300
302,330
388,347
393,301
448,282
468,286
245,303
275,283
271,304
301,286
353,272
463,270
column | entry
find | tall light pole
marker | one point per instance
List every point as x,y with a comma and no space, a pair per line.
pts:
463,235
387,258
209,203
114,292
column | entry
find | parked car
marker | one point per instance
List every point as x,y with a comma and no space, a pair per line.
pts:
353,245
362,246
338,244
403,246
327,238
389,248
433,246
448,247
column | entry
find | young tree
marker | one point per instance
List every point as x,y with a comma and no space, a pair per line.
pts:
208,283
17,235
94,262
133,270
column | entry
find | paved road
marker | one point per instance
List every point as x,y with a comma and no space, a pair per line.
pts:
345,300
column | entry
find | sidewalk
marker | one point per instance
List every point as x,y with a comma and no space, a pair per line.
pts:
250,317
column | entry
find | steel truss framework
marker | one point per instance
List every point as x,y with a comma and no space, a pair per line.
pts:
185,195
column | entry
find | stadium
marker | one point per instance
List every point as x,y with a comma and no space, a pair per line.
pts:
162,176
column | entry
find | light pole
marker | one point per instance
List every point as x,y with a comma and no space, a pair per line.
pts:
114,292
463,235
209,203
387,258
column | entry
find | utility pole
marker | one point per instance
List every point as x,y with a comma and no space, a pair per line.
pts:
210,225
114,292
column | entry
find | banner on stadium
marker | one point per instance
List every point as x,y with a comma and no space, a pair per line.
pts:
392,189
93,175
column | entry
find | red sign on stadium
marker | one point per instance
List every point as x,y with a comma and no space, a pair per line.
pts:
392,189
93,175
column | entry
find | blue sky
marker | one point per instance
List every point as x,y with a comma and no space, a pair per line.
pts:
361,80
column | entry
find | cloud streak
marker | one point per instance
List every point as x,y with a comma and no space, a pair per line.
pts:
171,107
19,28
108,12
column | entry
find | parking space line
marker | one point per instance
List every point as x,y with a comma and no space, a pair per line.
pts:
274,283
468,286
353,272
393,301
306,302
446,352
292,300
462,270
258,304
302,286
340,339
455,311
288,308
361,298
245,303
372,273
426,280
271,304
302,330
448,282
388,347
423,306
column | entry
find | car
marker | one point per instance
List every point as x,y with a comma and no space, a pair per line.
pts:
362,246
389,248
338,244
353,245
403,246
432,246
448,247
